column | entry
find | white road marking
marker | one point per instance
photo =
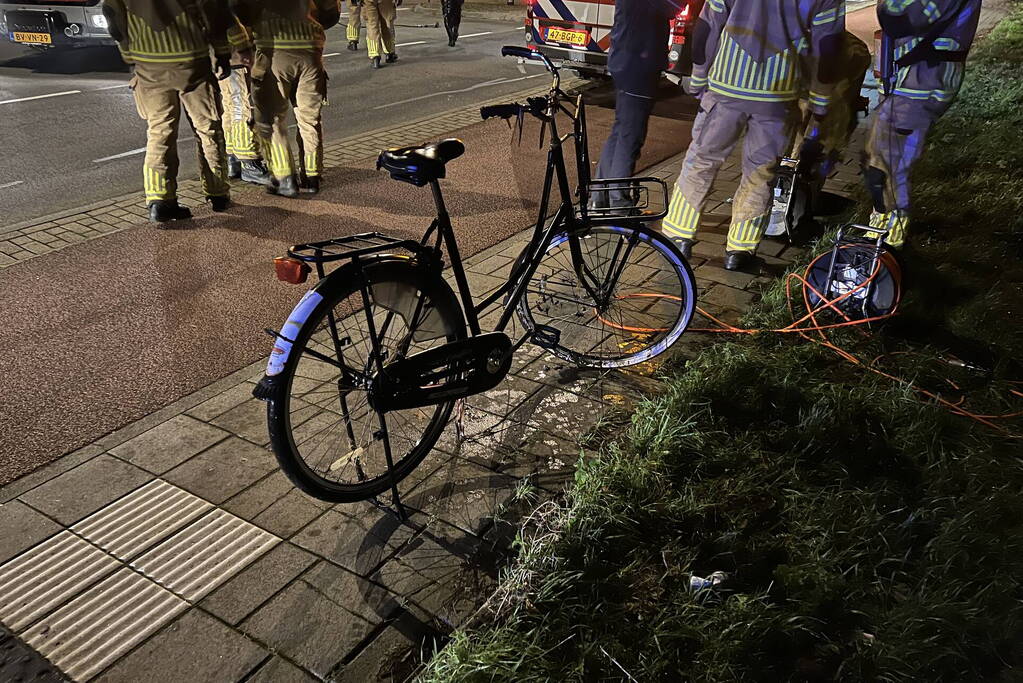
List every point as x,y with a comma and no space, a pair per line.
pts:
418,42
133,152
496,81
112,87
6,185
332,54
473,35
40,97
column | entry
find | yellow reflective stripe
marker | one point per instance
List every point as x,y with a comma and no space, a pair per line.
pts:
745,235
683,219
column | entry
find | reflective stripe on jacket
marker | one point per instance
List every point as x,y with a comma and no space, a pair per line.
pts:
288,24
169,31
768,50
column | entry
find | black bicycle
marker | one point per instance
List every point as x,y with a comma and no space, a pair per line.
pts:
365,373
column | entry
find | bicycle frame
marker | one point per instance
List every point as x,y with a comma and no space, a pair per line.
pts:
564,219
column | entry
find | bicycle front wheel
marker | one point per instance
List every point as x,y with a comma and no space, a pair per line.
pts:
327,435
623,298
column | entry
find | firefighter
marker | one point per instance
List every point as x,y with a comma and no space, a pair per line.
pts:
288,72
380,15
750,62
243,158
639,53
452,11
354,24
168,44
924,47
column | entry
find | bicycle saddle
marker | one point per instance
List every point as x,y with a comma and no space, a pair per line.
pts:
420,165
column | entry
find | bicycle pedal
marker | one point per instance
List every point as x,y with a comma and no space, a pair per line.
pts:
546,337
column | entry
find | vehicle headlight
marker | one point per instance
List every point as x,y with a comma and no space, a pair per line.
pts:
98,20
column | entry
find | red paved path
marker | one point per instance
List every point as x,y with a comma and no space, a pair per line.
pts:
101,334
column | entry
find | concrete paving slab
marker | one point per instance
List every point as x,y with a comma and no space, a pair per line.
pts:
257,583
308,627
215,653
169,444
357,537
218,473
22,527
277,670
88,487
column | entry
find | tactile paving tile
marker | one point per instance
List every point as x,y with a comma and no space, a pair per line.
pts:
89,633
205,554
48,575
133,523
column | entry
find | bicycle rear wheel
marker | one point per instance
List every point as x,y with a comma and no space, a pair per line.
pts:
645,296
328,437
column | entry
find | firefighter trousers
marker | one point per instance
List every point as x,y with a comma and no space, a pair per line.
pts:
380,15
161,91
896,142
283,79
354,21
720,124
236,97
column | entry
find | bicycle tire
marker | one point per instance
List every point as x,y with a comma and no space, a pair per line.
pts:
335,290
686,308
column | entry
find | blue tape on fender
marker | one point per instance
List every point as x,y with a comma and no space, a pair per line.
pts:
282,347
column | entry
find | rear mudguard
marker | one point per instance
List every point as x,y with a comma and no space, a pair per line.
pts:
284,339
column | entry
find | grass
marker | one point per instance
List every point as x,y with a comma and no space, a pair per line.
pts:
868,534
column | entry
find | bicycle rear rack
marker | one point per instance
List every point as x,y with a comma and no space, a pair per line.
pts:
644,193
350,247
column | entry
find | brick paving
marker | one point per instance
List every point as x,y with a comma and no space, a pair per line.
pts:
173,549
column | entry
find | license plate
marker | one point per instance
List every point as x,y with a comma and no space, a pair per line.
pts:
33,38
564,35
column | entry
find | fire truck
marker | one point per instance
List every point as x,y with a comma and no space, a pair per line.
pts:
577,33
46,24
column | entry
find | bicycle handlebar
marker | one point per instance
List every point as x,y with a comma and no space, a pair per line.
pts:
526,53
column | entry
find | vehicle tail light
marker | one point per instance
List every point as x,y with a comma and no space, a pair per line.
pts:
680,23
291,270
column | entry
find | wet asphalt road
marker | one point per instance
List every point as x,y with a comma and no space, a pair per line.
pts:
79,141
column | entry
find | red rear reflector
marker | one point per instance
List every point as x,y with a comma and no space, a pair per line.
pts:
291,270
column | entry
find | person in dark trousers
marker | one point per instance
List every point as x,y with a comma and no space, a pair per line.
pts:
452,10
638,55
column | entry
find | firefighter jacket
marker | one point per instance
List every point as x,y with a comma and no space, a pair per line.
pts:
768,50
286,24
168,31
936,73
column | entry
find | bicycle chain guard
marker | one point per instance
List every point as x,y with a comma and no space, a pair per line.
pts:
445,373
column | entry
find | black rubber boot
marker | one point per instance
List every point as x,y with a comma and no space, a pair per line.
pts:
285,187
685,246
374,63
310,184
353,45
167,210
738,260
219,204
234,167
254,171
392,57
